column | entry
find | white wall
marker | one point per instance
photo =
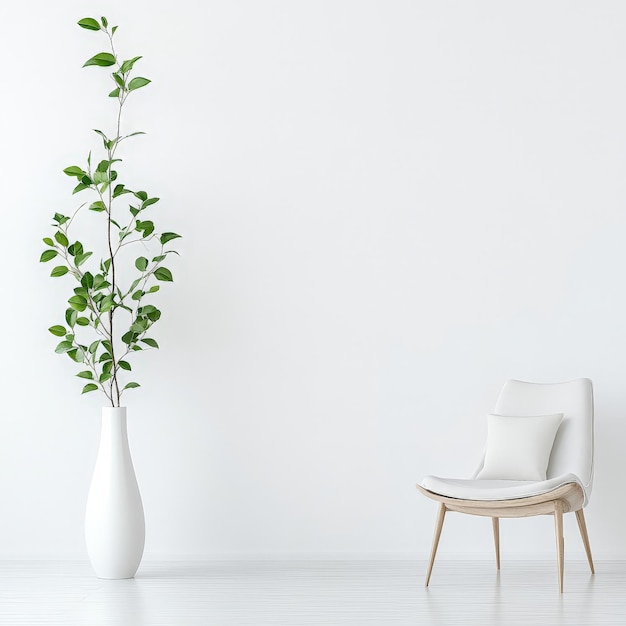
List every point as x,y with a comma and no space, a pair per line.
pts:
388,207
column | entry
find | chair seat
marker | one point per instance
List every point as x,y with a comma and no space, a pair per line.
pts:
494,489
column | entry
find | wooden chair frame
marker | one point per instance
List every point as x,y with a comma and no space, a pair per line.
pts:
564,499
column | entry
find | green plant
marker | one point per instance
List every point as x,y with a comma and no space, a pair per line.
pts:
102,305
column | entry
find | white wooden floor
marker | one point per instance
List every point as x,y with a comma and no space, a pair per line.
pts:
359,593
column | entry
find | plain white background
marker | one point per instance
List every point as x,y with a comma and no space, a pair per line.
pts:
388,208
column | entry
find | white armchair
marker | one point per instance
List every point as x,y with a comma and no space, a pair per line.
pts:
569,473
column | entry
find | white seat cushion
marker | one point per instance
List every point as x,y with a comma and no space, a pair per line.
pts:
494,489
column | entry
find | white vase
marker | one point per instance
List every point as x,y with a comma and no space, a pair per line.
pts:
114,520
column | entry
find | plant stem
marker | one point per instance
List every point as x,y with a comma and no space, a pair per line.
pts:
114,385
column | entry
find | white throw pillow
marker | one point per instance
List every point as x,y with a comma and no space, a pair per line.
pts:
518,448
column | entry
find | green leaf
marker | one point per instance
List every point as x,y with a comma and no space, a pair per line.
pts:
141,263
78,303
129,337
103,59
105,23
137,83
147,227
162,273
100,283
139,326
115,93
59,270
113,30
103,166
76,355
57,331
79,187
165,237
74,170
125,365
86,374
82,321
48,241
100,177
155,315
106,304
64,346
89,387
61,219
131,386
148,202
97,206
119,80
150,342
94,346
70,317
154,289
47,255
128,64
158,259
75,248
139,132
87,280
119,190
89,23
104,377
81,258
61,238
138,295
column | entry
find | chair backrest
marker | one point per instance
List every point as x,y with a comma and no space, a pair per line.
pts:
573,447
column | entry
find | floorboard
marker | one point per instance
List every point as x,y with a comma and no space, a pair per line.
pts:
331,593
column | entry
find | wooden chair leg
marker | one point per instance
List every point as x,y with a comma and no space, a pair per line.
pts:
582,526
496,538
560,544
440,517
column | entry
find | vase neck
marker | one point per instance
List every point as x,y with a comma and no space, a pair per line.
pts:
114,423
114,412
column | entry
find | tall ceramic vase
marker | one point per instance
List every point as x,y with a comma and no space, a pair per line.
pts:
114,521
